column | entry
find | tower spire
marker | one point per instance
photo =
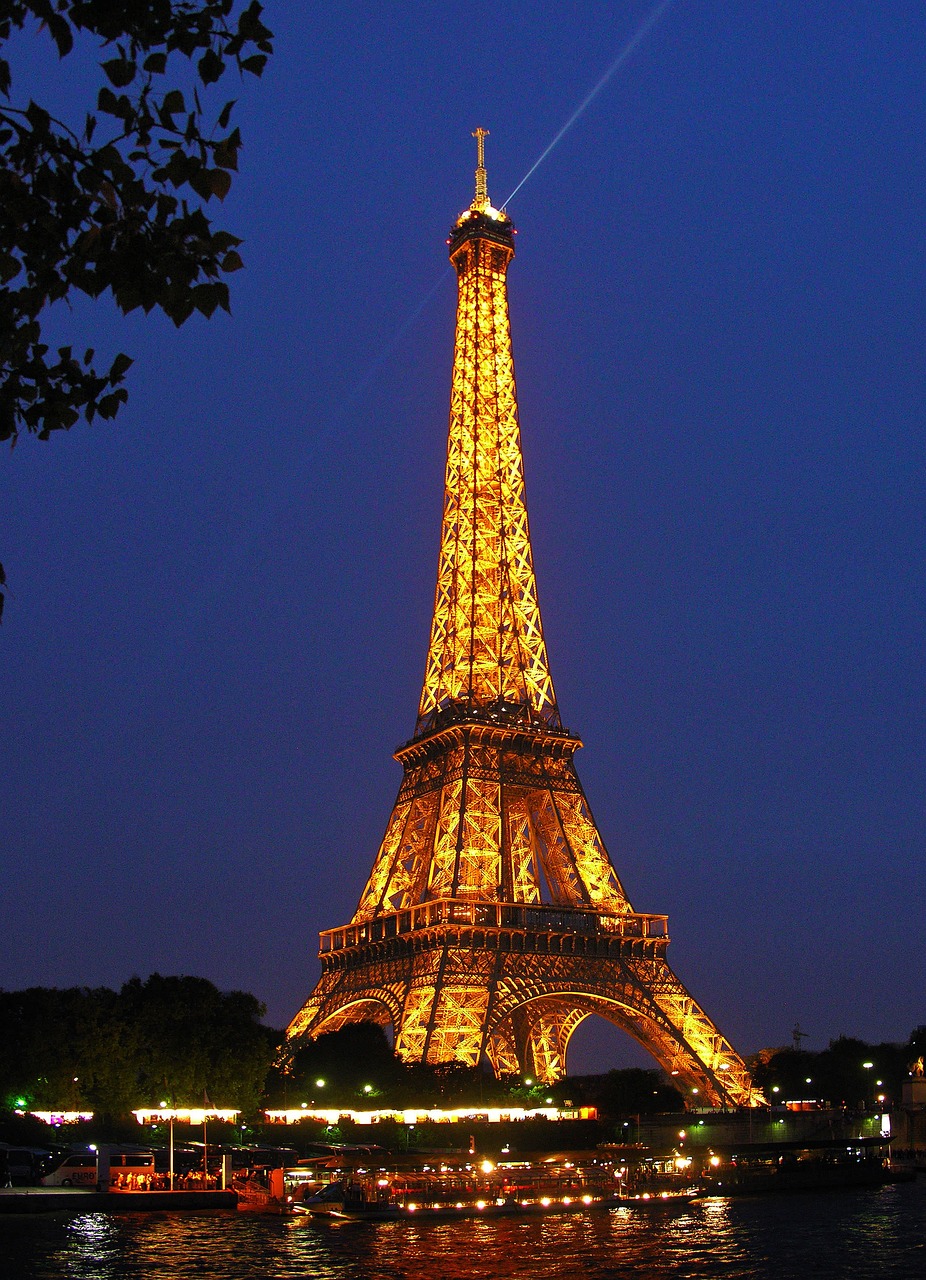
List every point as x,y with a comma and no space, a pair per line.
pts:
482,191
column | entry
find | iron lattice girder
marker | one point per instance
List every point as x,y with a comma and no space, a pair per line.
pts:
493,921
457,978
507,928
487,645
493,812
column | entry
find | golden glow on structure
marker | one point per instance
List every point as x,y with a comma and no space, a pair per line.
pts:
57,1118
482,192
487,648
493,922
186,1115
429,1115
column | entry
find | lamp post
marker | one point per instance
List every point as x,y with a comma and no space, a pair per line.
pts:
171,1164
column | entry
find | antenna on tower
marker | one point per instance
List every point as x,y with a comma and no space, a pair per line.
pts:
482,194
797,1035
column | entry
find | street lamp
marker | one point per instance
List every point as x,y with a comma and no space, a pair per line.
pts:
171,1164
867,1066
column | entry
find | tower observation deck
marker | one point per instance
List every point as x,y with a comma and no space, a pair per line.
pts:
493,921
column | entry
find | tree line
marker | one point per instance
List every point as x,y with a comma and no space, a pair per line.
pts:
848,1073
168,1039
356,1067
181,1041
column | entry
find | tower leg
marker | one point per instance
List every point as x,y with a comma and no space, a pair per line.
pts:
502,1052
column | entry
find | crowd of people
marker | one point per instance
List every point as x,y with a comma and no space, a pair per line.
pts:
194,1180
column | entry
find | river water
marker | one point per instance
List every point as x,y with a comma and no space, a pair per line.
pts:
836,1235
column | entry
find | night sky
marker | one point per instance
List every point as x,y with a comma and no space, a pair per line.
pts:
219,604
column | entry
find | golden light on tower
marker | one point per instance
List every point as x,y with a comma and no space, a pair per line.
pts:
487,644
493,922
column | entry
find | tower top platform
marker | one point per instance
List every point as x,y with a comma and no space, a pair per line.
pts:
482,219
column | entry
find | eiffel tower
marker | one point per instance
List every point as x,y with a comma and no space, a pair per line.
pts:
493,921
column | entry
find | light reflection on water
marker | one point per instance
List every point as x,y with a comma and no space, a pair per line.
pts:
92,1250
849,1235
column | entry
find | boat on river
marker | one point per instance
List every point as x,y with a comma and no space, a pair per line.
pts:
752,1169
350,1200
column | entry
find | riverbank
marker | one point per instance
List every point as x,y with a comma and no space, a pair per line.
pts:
28,1200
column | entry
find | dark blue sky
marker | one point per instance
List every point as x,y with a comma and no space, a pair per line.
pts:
219,605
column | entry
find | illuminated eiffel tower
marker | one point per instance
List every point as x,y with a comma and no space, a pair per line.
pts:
493,921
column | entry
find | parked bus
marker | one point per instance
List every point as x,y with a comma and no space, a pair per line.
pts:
21,1166
128,1169
73,1171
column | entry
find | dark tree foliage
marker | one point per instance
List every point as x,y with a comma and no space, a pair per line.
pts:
114,203
356,1055
56,1047
175,1040
359,1056
359,1067
628,1091
196,1041
838,1074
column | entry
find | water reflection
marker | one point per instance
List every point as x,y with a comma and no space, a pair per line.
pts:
92,1249
865,1235
598,1246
